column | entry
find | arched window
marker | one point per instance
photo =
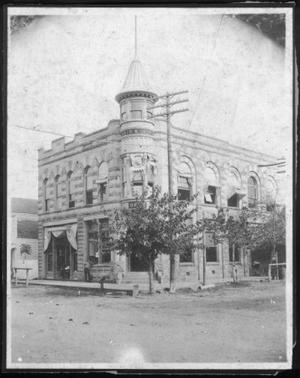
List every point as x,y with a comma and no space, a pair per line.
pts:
252,191
88,185
46,194
102,181
58,191
184,182
234,193
71,190
270,194
211,190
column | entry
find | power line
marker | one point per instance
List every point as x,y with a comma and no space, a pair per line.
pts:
42,131
205,75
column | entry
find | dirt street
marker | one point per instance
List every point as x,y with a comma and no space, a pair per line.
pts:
227,324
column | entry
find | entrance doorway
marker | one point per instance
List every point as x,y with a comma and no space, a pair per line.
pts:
63,263
60,258
137,264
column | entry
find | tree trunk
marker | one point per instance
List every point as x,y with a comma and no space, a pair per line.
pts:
150,274
172,273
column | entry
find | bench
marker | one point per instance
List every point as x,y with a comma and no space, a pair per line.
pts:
27,275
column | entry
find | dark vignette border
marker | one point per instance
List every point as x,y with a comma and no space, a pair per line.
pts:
3,174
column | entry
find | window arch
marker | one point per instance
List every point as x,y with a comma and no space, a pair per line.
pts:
46,194
58,190
102,181
88,185
252,191
211,190
234,193
271,190
71,189
184,181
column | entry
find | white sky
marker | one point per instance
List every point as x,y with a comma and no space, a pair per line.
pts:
64,72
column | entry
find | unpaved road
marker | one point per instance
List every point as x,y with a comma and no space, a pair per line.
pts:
242,324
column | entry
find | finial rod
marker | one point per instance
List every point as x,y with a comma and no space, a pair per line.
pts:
135,36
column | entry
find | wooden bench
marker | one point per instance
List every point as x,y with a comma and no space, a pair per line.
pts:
27,275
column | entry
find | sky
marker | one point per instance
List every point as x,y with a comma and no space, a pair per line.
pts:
65,70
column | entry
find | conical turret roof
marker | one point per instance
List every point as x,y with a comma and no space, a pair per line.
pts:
136,80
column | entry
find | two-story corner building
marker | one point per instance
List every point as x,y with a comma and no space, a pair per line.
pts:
82,182
24,236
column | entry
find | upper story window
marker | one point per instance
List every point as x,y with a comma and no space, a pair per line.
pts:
136,114
71,190
184,182
123,116
252,192
89,186
270,195
234,193
46,190
137,183
184,188
211,191
58,191
102,181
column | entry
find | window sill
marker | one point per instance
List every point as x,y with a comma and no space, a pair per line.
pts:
186,263
212,262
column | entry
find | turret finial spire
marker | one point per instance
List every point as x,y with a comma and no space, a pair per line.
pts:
135,37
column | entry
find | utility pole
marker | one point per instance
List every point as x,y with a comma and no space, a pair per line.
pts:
166,114
280,164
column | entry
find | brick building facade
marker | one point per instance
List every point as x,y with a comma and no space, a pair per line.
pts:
82,182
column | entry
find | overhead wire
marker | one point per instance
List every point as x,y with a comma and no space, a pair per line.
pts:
42,131
205,73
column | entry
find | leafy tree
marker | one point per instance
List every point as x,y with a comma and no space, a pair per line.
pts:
246,230
157,224
272,232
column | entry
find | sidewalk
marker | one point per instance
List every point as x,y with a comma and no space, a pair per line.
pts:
127,287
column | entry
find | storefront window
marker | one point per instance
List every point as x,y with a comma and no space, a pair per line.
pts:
98,237
49,260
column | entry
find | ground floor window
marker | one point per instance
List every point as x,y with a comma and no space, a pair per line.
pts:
211,254
98,237
186,256
211,248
